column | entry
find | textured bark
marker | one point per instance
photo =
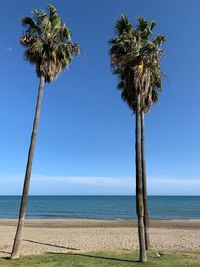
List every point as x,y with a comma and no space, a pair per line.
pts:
18,236
139,184
144,181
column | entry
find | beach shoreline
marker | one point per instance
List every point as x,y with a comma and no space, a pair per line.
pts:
87,223
62,236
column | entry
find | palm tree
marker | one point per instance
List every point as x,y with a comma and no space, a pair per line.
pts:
48,46
127,62
155,86
133,58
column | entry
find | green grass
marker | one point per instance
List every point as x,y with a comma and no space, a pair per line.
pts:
105,259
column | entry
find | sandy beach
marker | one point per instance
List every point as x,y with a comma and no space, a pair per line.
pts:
63,236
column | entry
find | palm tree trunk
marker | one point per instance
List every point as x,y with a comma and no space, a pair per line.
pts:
139,186
144,180
18,236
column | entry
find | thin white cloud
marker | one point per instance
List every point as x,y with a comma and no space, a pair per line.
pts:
85,180
66,185
171,181
5,48
174,186
47,184
115,181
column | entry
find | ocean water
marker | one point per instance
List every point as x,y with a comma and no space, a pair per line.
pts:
101,207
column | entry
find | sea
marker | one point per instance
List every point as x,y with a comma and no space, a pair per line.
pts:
101,207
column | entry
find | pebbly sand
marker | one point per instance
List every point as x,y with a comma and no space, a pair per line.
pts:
63,236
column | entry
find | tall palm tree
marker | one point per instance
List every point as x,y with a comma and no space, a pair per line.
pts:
154,56
48,46
133,58
127,62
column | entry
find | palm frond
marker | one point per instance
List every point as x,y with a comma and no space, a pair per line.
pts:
122,25
54,19
30,24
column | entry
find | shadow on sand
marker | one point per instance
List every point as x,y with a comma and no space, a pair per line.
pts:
50,245
5,252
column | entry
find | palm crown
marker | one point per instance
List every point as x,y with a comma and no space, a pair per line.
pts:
48,43
135,58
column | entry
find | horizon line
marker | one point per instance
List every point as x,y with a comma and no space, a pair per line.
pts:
99,195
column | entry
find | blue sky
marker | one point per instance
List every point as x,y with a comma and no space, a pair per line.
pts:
85,141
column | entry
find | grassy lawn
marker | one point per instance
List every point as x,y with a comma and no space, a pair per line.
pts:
105,259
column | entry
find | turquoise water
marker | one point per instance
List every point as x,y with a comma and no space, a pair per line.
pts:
101,207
